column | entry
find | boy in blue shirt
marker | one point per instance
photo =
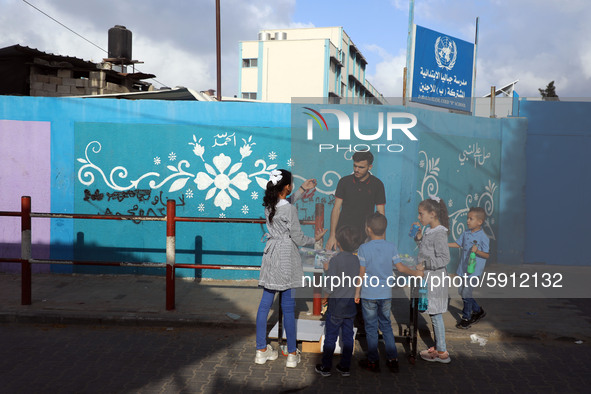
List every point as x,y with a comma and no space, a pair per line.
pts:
474,240
341,310
377,259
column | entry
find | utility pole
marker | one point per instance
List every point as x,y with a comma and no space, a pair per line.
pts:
409,42
218,40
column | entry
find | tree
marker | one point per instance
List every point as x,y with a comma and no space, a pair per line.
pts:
549,93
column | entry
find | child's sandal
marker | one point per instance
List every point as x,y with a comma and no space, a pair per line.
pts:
428,352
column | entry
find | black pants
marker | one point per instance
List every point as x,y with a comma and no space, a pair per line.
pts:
359,323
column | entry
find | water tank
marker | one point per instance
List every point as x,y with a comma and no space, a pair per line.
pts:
280,35
264,36
119,42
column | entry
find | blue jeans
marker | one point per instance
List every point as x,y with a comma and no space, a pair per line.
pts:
470,304
376,313
289,324
439,332
331,332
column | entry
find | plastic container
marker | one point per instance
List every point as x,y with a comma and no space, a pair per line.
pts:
316,257
320,259
414,230
423,302
408,260
472,262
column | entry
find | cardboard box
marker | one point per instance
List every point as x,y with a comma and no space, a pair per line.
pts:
311,347
311,334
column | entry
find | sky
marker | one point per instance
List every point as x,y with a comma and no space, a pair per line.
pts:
534,41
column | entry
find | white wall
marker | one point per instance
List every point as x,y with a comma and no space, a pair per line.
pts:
293,69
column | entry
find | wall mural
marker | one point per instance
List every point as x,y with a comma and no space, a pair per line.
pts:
211,171
465,172
465,179
217,172
132,168
457,218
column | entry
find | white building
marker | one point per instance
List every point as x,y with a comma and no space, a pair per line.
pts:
305,63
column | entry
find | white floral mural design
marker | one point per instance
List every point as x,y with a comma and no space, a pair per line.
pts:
430,178
430,187
225,169
222,182
457,219
198,149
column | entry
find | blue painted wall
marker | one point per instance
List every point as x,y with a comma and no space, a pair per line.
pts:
466,161
104,151
558,185
120,126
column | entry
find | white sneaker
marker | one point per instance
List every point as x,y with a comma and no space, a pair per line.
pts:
262,357
293,359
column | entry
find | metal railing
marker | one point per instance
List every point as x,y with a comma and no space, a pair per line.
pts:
171,219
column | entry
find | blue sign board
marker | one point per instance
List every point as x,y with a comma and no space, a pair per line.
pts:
441,70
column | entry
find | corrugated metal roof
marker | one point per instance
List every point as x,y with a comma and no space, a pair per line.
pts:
22,51
178,93
58,60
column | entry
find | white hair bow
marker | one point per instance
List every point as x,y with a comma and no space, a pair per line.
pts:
275,177
435,198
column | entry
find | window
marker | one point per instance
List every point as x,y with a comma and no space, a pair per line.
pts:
249,95
249,62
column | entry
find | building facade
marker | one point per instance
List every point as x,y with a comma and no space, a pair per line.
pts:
312,62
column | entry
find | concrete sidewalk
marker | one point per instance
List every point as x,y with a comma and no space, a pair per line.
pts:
140,300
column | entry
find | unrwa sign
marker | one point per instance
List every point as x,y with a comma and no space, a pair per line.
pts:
441,70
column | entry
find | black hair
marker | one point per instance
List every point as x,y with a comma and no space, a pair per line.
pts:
271,197
361,156
348,237
439,208
377,223
480,212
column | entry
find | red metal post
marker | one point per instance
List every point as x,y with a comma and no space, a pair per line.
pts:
318,225
26,250
170,253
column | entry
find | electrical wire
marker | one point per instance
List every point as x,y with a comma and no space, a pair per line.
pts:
61,24
79,35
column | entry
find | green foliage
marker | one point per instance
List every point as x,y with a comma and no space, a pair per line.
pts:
549,93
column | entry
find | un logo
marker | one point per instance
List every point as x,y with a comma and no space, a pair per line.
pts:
446,52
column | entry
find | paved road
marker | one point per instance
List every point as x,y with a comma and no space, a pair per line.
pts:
112,359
